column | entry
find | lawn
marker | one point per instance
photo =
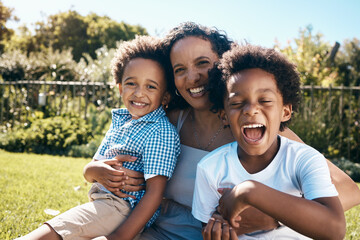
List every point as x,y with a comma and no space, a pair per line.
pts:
32,183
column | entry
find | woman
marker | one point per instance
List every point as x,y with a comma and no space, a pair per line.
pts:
193,50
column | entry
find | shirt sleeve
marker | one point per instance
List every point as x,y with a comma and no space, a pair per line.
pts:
206,196
161,152
105,144
314,175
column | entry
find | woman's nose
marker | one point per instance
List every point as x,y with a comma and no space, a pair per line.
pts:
193,75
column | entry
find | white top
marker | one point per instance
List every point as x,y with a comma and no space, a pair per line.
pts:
297,169
180,187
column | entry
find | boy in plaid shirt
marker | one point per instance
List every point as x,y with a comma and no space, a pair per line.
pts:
142,131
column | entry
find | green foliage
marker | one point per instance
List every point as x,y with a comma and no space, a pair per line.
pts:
99,123
48,65
98,69
352,169
13,65
5,33
348,62
52,65
310,54
330,124
52,135
70,30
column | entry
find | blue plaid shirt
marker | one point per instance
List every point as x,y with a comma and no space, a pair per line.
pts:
151,138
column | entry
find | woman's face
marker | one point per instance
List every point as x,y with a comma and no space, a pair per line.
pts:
191,59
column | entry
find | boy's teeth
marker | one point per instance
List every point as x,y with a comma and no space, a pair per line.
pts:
196,90
139,104
253,126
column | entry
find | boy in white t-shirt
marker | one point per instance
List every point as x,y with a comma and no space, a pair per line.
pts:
285,179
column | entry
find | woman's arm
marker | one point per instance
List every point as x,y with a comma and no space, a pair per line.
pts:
349,193
113,177
321,218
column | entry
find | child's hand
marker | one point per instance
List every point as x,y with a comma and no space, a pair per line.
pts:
232,203
217,228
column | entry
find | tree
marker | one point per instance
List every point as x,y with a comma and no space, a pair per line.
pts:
348,62
5,33
311,55
71,30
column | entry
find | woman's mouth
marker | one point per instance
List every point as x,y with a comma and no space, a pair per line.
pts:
197,92
253,133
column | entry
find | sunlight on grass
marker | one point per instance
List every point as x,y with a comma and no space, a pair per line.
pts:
31,183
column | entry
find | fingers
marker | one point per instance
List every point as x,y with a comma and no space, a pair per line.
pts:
233,235
123,195
133,174
130,188
125,158
225,231
206,231
216,231
134,181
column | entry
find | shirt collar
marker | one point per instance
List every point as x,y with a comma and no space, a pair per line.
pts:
150,117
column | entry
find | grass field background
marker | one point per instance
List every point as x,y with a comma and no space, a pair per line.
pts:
31,183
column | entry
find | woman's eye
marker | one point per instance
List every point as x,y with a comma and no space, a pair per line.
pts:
178,70
202,62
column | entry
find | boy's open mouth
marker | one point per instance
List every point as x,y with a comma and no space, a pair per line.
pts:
254,132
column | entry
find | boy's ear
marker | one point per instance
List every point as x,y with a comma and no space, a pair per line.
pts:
166,99
287,110
224,118
120,88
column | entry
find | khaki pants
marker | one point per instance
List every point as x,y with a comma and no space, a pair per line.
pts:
100,217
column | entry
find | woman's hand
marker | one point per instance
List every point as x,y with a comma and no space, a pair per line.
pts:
252,219
113,176
218,229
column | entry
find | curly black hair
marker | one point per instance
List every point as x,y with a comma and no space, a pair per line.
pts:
146,47
247,57
219,41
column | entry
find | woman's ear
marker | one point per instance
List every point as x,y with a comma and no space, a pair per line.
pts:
287,111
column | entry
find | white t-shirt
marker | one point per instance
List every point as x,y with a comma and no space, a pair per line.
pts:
297,169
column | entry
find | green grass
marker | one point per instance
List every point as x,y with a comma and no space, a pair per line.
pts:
31,183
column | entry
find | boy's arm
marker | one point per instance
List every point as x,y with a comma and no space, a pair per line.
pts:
304,216
349,192
143,211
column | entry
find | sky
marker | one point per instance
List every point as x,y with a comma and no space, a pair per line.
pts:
260,22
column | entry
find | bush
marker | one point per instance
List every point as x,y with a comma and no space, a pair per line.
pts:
352,169
53,135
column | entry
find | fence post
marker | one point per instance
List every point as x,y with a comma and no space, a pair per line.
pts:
349,123
86,97
341,113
